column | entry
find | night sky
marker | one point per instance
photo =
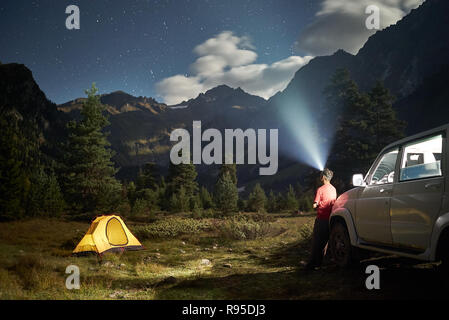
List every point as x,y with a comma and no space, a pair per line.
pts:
132,45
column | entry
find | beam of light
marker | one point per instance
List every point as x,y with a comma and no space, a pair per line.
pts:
309,140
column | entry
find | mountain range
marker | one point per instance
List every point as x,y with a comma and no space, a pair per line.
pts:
410,57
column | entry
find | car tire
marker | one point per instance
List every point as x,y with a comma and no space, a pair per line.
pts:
444,256
343,253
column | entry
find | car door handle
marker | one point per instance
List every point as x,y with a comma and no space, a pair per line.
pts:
386,191
433,185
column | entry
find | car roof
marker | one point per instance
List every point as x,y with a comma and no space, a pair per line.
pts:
416,136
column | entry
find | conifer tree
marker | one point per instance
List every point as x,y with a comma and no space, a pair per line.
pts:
291,200
383,125
147,178
257,199
230,169
226,194
272,203
206,199
366,123
12,177
182,175
90,185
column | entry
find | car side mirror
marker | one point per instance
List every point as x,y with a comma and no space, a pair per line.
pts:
357,180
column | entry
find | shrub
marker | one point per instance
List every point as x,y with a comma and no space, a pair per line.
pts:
208,213
140,207
306,232
171,228
244,228
124,209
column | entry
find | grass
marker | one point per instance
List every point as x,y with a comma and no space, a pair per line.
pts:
201,264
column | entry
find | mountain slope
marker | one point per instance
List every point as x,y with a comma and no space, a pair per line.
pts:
20,95
401,56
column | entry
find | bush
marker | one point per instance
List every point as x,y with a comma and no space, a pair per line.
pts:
124,209
140,207
208,213
171,228
245,228
258,217
306,232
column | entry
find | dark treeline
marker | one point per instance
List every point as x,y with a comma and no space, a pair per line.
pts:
79,178
366,123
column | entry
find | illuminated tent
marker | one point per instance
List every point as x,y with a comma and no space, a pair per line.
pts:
108,233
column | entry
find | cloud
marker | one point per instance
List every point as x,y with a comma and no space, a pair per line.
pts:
178,88
340,24
229,59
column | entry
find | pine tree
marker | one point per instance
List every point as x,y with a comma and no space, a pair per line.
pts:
383,125
20,159
281,201
45,197
206,199
230,169
131,193
147,178
90,185
306,201
12,177
182,175
183,200
162,201
366,123
291,201
173,203
257,199
299,190
226,194
196,205
272,203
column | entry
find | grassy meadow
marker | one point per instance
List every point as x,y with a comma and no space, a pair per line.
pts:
255,257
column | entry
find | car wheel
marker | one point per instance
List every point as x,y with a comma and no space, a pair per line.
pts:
444,266
340,245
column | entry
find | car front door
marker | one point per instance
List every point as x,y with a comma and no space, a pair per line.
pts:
373,203
417,196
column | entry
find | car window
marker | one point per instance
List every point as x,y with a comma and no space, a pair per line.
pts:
384,172
422,159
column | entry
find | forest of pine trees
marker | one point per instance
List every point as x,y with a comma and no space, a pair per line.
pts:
82,181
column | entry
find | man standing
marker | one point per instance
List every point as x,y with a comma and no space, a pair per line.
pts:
324,200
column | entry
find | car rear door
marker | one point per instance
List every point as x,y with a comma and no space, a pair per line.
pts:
417,196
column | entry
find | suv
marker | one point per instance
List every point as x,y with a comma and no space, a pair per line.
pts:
401,206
